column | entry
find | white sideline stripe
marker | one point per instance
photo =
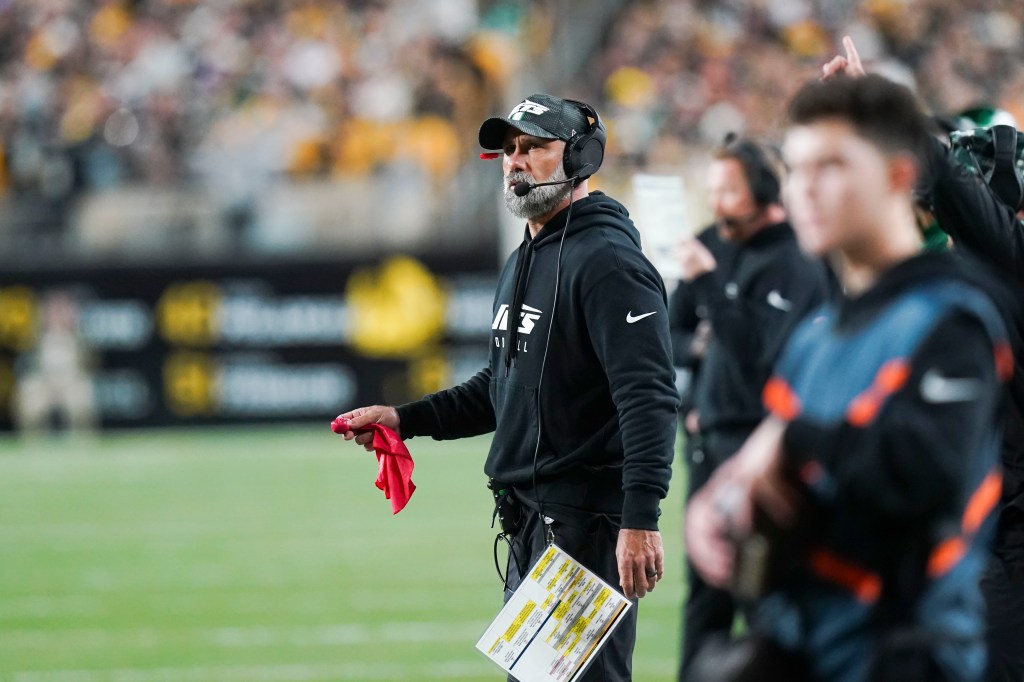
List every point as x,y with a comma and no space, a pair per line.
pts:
103,580
310,601
87,532
82,532
251,636
41,605
268,673
348,633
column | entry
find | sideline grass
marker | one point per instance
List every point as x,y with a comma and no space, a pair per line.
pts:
264,555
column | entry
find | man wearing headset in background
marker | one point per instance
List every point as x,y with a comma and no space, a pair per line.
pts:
752,299
579,389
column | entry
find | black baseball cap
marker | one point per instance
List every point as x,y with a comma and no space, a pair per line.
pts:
539,115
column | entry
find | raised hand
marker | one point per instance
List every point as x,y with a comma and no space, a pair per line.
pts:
849,65
693,258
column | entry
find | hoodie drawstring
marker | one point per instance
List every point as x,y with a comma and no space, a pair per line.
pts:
515,310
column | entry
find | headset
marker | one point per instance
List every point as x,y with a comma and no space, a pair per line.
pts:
584,152
761,167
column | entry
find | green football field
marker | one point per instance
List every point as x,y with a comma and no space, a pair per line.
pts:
260,555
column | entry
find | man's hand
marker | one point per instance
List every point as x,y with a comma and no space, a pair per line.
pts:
364,416
849,65
706,530
692,421
701,339
722,509
641,559
694,259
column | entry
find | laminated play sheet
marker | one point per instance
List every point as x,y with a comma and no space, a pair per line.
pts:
556,621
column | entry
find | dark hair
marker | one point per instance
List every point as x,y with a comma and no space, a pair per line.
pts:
761,166
885,113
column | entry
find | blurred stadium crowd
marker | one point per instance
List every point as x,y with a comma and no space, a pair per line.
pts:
135,125
675,74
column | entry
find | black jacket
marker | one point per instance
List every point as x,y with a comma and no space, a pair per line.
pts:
983,227
883,474
754,298
891,400
607,403
684,315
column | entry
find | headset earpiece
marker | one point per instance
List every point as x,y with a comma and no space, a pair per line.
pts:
584,153
763,176
1004,178
996,156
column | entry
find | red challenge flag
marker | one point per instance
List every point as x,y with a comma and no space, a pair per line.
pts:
394,463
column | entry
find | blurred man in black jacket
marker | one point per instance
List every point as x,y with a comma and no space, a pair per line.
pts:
984,225
752,294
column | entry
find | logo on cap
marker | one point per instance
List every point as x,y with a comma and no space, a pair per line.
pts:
526,107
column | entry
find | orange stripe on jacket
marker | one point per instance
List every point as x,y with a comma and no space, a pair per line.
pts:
1004,361
983,500
945,556
890,378
950,551
865,586
780,399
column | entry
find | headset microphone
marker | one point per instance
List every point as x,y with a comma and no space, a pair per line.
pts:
521,189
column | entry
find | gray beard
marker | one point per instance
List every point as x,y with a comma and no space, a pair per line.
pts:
538,201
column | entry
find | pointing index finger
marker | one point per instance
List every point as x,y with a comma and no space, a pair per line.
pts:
852,56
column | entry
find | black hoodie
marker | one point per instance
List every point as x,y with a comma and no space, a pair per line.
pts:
891,399
917,455
607,406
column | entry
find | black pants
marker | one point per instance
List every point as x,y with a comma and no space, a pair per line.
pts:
707,612
1002,584
593,545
